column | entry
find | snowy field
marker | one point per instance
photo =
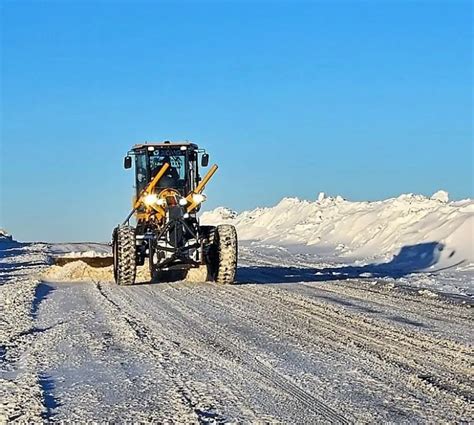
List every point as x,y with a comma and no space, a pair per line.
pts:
344,312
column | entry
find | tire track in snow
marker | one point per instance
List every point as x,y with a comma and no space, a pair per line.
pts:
449,370
302,334
456,351
215,335
197,399
377,293
338,328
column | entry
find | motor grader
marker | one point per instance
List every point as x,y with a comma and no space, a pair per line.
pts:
167,234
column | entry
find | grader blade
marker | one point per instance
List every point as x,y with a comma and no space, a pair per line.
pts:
100,261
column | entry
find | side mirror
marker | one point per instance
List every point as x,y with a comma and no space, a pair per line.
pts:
204,160
127,162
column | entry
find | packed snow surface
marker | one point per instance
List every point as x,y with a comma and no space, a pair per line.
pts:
421,233
294,342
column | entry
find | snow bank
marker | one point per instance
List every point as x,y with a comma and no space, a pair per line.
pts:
85,254
21,396
363,230
4,236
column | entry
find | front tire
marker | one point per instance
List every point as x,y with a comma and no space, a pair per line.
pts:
224,263
124,252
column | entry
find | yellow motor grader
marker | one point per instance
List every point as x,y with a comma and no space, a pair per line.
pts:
167,233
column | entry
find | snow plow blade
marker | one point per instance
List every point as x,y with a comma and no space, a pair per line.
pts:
90,261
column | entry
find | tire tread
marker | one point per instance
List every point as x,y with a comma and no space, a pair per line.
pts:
227,245
126,267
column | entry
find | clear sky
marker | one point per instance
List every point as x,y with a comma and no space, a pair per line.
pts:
364,99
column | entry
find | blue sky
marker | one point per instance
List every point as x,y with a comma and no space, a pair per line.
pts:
364,99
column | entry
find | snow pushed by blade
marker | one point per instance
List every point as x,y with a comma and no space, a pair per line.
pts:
414,227
77,271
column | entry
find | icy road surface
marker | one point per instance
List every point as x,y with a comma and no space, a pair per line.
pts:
291,346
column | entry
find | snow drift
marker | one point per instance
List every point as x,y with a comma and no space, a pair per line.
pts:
413,228
4,236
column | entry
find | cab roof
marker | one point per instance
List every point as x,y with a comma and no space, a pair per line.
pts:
165,144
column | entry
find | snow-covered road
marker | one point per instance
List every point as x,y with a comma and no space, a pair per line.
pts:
286,345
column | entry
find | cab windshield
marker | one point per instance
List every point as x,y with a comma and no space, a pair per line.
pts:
150,162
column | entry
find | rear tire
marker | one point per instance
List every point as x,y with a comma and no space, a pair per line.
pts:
124,251
224,263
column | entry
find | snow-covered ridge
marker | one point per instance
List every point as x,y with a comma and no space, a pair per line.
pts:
368,230
4,236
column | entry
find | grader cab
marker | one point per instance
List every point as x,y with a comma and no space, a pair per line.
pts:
167,233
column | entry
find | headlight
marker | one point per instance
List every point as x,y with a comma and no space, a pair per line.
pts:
150,199
183,202
198,198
